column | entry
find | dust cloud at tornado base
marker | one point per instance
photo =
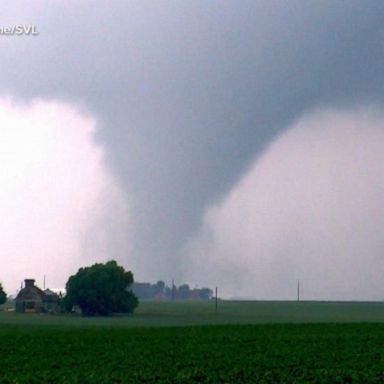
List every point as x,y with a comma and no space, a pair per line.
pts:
60,206
311,207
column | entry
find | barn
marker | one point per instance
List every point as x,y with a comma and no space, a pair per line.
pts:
32,299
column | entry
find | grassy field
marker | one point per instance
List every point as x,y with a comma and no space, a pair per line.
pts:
186,342
185,313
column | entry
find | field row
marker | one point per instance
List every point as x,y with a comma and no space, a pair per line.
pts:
320,353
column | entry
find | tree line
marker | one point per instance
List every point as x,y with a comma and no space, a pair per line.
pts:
102,289
160,290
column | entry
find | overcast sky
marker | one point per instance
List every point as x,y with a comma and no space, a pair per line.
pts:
190,116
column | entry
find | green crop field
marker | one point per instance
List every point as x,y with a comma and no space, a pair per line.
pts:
179,313
186,342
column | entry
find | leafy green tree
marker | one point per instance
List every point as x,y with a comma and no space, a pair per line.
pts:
101,289
3,295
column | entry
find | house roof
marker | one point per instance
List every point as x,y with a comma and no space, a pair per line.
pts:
34,293
30,293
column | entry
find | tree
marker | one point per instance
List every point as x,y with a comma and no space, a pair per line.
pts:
3,295
183,292
157,288
205,293
101,289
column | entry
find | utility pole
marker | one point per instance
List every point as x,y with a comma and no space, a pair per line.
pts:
44,283
298,290
173,290
216,300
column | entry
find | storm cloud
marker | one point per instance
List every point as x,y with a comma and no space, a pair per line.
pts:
187,94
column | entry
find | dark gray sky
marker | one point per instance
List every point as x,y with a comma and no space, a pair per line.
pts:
187,93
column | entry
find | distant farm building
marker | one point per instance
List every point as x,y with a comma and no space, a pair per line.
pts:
32,299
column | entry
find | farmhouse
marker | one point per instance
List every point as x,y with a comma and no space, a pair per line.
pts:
32,299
